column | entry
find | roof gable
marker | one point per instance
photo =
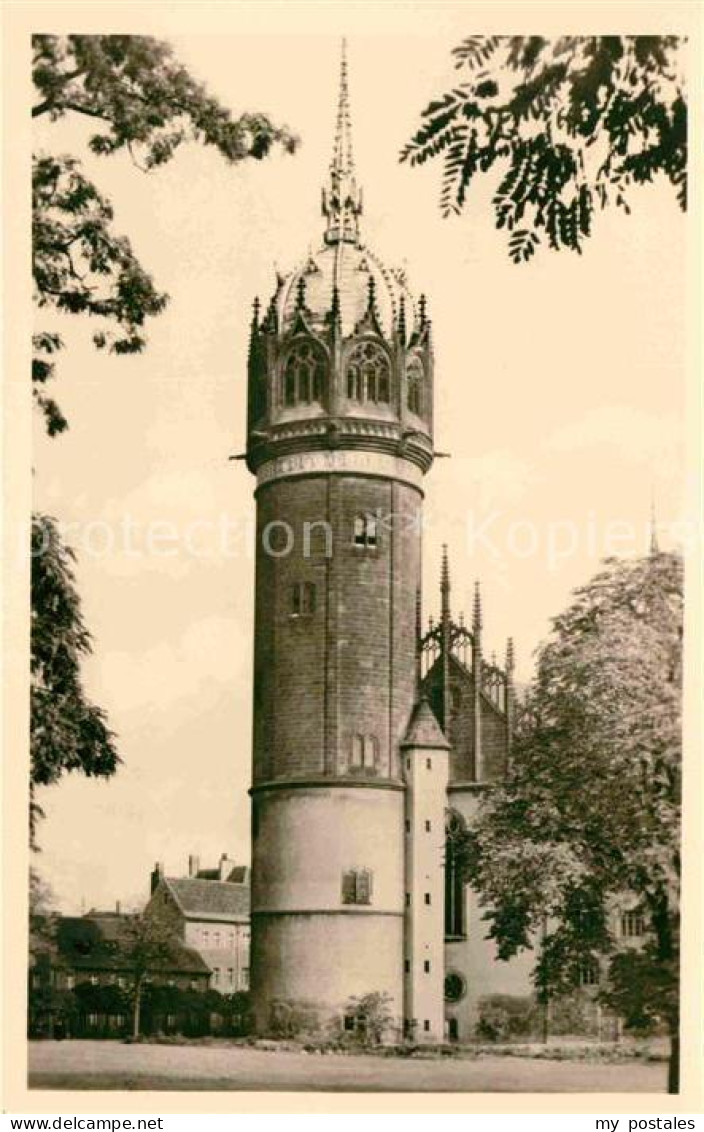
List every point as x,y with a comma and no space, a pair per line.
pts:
210,899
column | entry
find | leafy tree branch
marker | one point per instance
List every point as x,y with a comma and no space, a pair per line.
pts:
568,126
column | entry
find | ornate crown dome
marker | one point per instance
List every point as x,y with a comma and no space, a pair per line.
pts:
357,273
343,355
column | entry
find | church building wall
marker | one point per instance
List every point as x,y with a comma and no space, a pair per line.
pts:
474,958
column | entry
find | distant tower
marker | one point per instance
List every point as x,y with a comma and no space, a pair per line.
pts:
339,438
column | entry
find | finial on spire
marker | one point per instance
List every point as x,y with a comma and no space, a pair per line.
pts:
654,545
510,658
422,311
402,321
342,151
445,584
371,294
342,200
301,294
477,610
334,316
419,637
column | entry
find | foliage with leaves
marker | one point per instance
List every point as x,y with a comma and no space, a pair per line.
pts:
146,944
144,101
589,814
67,731
570,124
371,1017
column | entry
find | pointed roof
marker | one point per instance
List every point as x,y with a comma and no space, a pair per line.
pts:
424,730
654,545
342,160
342,199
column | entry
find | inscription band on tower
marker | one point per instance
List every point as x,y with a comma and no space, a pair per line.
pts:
342,461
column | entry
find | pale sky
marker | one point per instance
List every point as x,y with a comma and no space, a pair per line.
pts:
559,395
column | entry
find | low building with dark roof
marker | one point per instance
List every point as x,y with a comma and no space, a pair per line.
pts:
82,972
208,911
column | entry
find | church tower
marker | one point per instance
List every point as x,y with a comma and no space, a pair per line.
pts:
340,404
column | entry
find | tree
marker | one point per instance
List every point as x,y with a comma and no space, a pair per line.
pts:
142,100
146,944
67,731
590,809
371,1017
570,124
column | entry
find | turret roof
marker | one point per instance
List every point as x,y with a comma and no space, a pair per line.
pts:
424,730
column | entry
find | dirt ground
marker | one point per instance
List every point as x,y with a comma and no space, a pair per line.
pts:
112,1065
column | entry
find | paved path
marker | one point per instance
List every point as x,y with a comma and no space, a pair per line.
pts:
112,1065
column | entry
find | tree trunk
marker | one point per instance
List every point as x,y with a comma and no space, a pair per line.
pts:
546,1020
137,1010
673,1069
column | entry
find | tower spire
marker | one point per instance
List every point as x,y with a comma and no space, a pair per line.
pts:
654,544
477,610
445,584
342,159
477,666
342,199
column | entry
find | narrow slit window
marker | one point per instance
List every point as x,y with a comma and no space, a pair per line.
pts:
302,599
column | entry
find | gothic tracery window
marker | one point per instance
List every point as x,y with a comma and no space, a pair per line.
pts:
368,374
304,374
414,386
454,884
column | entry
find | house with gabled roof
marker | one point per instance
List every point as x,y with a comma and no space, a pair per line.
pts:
208,911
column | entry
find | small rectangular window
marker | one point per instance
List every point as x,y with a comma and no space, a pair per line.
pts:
357,886
365,532
407,966
408,825
349,1022
427,827
427,898
632,924
302,599
426,1025
589,973
408,899
426,966
429,764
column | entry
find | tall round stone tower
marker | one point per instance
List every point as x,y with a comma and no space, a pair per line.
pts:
339,438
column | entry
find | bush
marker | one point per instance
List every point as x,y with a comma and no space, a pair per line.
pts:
289,1019
504,1016
367,1019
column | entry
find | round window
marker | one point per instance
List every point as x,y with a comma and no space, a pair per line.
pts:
455,987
